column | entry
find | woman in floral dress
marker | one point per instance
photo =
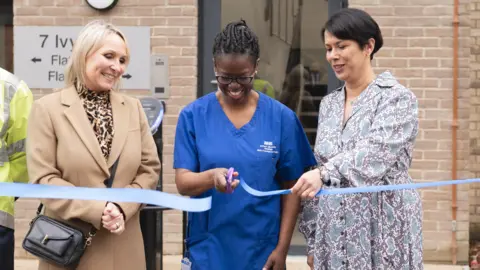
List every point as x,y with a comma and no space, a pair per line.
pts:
366,134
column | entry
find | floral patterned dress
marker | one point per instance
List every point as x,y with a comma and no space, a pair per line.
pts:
380,230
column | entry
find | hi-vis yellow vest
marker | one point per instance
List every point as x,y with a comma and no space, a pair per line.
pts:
264,87
15,104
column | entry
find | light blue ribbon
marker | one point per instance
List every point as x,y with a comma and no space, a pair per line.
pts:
106,194
172,201
364,189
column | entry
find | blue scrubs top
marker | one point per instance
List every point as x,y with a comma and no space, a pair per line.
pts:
240,230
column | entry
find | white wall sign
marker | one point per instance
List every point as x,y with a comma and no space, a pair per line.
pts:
41,54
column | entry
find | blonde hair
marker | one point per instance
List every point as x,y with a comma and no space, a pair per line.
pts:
90,39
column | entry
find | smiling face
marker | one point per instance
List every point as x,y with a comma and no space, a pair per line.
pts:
348,60
235,74
104,67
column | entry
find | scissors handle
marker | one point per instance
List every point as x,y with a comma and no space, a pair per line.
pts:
229,180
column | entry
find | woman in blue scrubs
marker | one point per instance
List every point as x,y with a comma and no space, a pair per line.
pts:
262,140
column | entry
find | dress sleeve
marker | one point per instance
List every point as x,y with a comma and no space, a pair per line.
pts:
394,129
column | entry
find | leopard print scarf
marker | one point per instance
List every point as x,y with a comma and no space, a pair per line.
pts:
99,112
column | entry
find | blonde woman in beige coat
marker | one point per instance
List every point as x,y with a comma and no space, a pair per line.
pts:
75,135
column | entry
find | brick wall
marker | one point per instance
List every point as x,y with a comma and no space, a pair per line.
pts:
173,32
418,50
475,120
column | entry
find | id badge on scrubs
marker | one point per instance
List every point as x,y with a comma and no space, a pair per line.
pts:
186,264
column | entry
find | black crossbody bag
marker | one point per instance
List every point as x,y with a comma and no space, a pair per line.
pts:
58,242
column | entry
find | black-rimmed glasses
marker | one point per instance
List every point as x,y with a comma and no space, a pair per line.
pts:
229,80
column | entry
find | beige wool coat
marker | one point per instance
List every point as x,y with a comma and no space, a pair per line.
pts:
62,150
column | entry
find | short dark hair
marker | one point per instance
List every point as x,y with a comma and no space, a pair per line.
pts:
354,24
237,38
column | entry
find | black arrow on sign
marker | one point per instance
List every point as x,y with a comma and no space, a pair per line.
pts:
35,60
127,76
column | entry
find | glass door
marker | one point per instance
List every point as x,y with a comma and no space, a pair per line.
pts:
292,68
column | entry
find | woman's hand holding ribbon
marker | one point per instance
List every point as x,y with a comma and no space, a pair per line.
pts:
308,185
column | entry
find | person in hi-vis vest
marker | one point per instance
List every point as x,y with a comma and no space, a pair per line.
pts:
15,103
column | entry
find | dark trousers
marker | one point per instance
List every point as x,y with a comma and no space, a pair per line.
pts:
7,246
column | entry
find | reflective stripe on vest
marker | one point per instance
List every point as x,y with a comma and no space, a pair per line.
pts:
7,90
16,147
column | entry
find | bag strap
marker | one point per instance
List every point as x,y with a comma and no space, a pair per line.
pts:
108,182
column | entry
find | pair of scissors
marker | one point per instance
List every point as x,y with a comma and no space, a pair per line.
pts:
229,180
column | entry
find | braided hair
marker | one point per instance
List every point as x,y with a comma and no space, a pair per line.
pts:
237,38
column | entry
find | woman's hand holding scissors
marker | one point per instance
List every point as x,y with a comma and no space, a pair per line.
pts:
224,180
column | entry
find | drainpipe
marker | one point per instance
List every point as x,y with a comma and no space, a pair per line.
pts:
454,246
